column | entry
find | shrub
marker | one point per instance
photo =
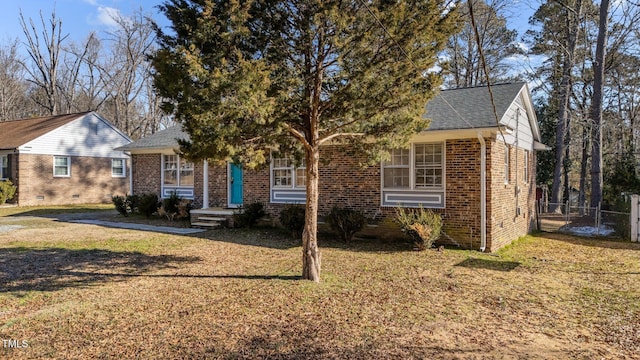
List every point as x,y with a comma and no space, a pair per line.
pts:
250,215
7,191
345,222
170,204
132,203
148,204
125,205
175,207
292,219
121,205
422,226
184,209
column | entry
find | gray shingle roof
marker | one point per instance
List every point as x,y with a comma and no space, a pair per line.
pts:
473,108
161,140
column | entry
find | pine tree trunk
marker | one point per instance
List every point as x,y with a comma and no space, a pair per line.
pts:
573,22
582,199
310,252
596,107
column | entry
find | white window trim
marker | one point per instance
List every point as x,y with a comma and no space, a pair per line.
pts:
4,158
124,168
68,166
178,167
294,169
412,171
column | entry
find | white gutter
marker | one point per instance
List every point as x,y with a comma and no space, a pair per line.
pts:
130,163
205,185
483,193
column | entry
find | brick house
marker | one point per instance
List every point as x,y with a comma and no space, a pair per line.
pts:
64,159
479,174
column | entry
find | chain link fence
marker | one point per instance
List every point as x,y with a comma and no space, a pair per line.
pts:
583,220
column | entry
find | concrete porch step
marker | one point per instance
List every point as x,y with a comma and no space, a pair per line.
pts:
212,224
211,218
214,212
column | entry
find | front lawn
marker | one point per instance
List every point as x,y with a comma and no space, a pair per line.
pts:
82,291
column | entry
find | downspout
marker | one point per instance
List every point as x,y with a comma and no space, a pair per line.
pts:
205,185
516,146
130,173
483,193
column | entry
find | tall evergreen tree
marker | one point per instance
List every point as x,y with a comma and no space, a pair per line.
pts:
243,77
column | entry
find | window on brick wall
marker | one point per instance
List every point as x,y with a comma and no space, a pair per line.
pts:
421,167
177,171
396,170
118,168
285,174
4,167
61,166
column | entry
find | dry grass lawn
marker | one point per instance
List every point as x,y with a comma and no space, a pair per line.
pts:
77,291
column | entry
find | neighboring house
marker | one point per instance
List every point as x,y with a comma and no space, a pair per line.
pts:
478,172
64,159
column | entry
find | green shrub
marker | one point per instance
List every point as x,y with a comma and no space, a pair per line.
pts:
175,207
7,191
250,215
148,204
120,202
422,226
125,205
132,203
170,204
292,219
345,222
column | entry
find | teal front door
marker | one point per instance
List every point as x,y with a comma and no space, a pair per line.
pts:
235,185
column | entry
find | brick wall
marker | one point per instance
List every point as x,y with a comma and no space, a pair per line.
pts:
462,209
344,183
505,223
146,173
218,185
90,181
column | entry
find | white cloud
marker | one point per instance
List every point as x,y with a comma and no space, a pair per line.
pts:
91,2
104,16
107,15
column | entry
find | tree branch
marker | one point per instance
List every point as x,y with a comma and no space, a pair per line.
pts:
298,135
333,136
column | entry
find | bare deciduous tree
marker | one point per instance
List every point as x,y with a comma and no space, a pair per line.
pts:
13,88
44,49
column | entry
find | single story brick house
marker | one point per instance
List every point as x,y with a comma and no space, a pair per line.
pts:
478,173
64,159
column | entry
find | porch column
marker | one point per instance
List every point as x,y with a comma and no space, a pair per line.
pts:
205,185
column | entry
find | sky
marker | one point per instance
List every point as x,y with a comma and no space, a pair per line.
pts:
79,17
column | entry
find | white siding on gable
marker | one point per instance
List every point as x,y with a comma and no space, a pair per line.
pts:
517,119
89,135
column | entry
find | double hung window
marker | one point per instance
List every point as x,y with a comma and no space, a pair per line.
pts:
285,174
420,167
61,166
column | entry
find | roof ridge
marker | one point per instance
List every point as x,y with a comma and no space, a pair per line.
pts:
50,116
484,86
